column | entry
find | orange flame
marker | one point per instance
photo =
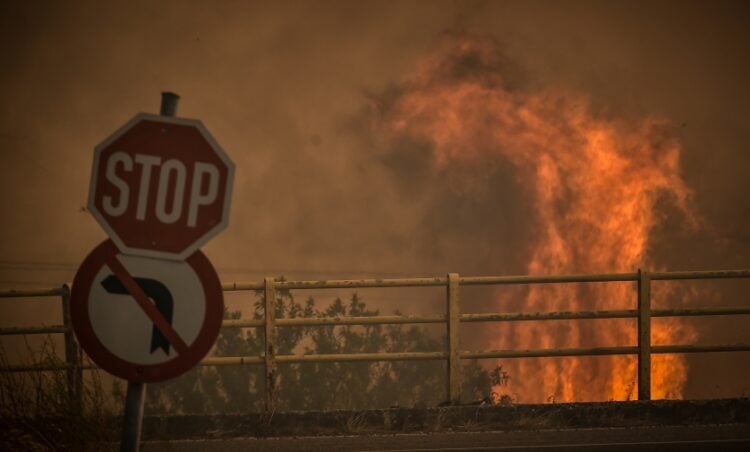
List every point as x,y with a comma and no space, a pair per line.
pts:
594,183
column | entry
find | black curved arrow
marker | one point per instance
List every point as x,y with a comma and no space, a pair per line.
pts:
157,292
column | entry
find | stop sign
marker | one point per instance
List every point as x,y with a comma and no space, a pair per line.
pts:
161,186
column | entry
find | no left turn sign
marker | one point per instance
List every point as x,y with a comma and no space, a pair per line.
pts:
144,319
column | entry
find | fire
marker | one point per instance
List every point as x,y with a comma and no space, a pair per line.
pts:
594,183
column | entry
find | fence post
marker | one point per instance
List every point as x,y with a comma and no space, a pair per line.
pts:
454,360
72,355
270,315
644,335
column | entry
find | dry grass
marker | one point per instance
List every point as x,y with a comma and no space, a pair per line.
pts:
41,410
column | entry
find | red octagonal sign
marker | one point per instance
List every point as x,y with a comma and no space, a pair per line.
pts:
161,186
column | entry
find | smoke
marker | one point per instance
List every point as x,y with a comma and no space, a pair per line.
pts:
294,92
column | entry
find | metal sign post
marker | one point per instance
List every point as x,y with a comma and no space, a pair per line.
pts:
146,305
136,395
133,417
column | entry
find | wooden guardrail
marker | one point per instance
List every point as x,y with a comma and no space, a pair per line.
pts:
452,319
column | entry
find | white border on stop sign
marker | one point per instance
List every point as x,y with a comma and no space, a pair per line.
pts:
227,198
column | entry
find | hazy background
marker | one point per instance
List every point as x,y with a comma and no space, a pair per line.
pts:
287,88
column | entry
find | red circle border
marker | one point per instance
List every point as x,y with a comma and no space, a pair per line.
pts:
144,373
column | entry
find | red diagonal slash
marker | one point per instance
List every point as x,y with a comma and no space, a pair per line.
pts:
140,297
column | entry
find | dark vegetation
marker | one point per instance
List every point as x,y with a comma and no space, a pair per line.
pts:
38,410
321,386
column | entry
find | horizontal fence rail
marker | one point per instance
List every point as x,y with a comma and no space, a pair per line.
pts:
74,362
413,319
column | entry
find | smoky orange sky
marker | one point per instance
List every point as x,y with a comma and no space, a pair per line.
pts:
292,91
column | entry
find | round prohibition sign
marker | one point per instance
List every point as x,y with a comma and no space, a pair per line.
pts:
138,319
